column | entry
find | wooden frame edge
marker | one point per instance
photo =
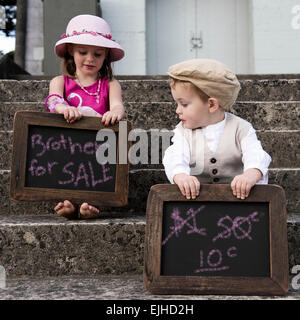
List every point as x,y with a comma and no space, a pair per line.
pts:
276,284
17,192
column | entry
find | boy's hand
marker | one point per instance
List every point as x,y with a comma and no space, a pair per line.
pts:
188,185
113,116
242,184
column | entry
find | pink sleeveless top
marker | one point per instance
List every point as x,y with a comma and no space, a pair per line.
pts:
76,97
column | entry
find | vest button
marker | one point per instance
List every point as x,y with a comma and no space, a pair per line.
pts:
214,171
213,160
216,180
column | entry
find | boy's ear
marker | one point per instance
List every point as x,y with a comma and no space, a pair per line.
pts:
213,104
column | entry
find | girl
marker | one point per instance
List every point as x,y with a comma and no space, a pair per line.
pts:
87,87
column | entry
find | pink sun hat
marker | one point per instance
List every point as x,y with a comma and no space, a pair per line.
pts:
90,30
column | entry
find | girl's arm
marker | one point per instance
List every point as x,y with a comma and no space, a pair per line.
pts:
56,86
116,109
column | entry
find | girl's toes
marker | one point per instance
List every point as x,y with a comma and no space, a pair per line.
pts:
65,209
87,211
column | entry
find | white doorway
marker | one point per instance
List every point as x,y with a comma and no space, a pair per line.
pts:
178,30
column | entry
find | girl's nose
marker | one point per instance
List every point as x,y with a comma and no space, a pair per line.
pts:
178,109
90,56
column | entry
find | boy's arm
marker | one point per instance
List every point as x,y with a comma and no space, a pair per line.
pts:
254,156
256,162
176,162
177,156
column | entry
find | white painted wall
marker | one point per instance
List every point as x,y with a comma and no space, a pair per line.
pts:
128,26
34,38
180,30
276,41
274,35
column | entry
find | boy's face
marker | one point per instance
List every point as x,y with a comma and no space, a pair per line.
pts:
191,109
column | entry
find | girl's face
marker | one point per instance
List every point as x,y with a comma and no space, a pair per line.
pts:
88,59
191,109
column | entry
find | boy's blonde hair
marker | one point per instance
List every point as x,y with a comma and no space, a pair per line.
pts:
203,96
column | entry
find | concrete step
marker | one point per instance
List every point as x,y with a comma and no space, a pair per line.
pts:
282,145
161,115
157,90
53,246
140,182
108,287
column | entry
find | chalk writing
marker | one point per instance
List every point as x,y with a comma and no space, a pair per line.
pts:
66,159
236,226
180,222
211,265
67,144
87,174
205,239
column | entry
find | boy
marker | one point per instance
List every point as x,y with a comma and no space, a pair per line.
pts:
210,144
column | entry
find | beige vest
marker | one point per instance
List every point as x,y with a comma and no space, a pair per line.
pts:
225,163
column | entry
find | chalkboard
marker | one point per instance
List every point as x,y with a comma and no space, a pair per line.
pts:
66,159
54,160
216,243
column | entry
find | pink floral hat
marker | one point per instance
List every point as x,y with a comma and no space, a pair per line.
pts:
89,30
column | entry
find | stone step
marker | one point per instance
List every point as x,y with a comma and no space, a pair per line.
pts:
111,287
155,115
156,90
282,145
54,246
263,115
140,182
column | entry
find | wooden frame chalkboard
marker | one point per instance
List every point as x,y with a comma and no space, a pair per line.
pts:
21,189
161,280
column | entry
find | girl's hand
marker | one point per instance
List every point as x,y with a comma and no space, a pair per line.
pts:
188,185
71,114
242,184
112,116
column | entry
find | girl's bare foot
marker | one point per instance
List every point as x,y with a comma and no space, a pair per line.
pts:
87,211
66,209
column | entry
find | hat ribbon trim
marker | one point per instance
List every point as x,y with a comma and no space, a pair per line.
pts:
93,33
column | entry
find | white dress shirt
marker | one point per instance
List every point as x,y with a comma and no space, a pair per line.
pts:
177,157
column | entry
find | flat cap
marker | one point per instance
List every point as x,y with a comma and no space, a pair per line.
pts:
211,76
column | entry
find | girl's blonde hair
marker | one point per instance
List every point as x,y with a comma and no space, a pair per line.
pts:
203,96
69,67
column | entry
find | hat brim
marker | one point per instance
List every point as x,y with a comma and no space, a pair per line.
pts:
117,52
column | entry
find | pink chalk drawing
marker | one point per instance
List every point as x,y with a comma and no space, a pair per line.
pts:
180,222
214,266
236,227
229,252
